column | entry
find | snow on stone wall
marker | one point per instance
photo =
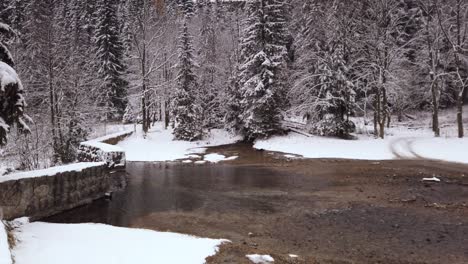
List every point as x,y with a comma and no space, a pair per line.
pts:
43,193
104,149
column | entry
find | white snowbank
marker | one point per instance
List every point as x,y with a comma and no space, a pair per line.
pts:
44,243
160,146
406,145
215,158
260,259
5,257
50,171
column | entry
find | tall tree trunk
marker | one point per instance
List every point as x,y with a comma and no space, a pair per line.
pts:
435,109
383,114
376,114
144,108
461,133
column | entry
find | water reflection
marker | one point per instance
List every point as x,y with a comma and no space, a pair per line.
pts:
163,187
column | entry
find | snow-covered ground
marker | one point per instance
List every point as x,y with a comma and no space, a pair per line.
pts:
400,142
160,146
5,257
44,243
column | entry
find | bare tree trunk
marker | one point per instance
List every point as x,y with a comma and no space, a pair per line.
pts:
461,133
383,114
435,109
376,114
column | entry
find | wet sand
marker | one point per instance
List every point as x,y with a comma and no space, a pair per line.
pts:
324,211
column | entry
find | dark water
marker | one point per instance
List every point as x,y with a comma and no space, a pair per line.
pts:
169,187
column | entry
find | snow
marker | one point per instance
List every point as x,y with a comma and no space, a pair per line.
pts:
160,146
408,145
5,257
50,171
8,76
260,259
45,243
433,179
103,146
113,135
98,142
4,169
293,256
215,158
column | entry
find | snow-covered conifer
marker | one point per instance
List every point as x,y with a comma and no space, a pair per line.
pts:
262,72
186,112
109,55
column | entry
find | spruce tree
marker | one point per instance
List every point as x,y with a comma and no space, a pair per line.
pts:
109,55
262,76
187,114
186,7
210,74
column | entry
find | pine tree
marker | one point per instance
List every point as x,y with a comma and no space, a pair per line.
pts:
186,7
109,54
210,73
187,114
262,76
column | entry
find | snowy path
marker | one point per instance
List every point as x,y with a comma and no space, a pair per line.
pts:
43,243
366,148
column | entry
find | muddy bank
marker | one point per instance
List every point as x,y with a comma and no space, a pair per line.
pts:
325,211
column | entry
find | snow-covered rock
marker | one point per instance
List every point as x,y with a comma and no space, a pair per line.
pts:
260,259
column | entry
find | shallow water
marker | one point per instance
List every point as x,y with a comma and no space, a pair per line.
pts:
161,187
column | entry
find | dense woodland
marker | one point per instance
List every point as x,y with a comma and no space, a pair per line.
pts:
243,66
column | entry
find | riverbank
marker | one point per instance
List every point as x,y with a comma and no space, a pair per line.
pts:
45,243
323,211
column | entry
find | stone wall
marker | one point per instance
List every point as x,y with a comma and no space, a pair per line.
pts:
103,149
41,196
42,193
